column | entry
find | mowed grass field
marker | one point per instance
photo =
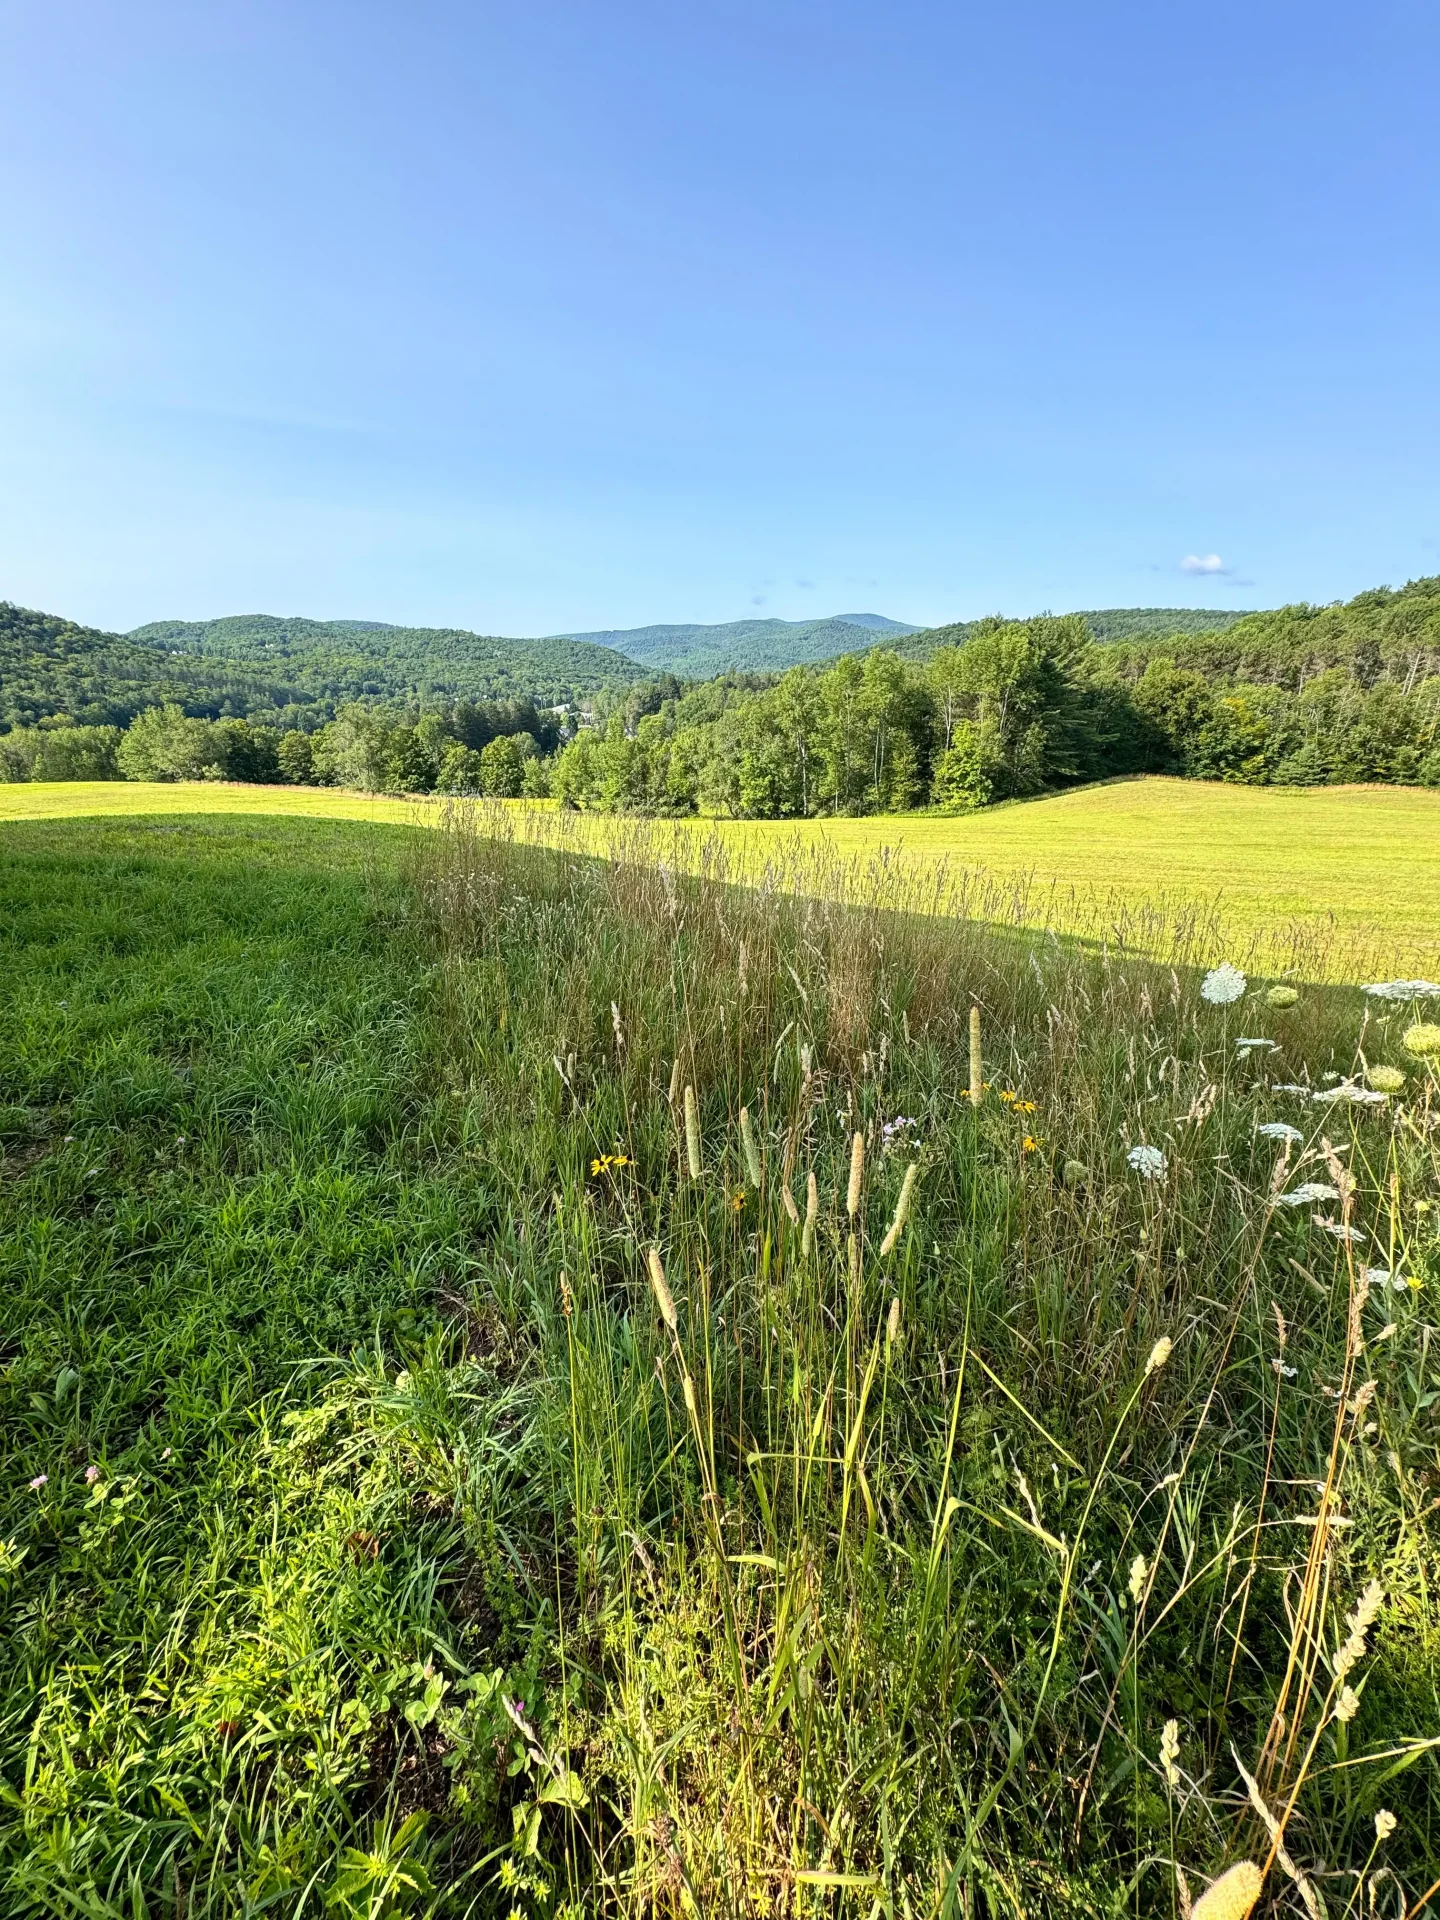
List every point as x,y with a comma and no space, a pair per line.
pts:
1359,867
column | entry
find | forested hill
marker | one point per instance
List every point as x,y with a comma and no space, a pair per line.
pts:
1390,634
770,646
340,660
50,667
748,646
285,673
1106,624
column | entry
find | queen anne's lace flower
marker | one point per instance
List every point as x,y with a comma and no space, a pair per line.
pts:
1307,1195
1423,1039
1244,1047
1282,997
1386,1079
1349,1093
1223,985
1149,1162
1398,990
1339,1229
1280,1130
1383,1277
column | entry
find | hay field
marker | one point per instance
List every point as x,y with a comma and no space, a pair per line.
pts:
1332,880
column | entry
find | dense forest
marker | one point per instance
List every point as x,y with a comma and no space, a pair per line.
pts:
770,646
53,670
988,710
749,646
340,660
1003,709
282,674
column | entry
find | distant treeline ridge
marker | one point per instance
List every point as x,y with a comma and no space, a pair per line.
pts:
953,718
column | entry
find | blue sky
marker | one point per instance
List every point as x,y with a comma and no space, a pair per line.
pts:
551,316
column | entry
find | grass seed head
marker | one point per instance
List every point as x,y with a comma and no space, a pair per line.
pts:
977,1073
1159,1354
747,1141
902,1209
692,1133
1170,1753
664,1299
1232,1896
857,1174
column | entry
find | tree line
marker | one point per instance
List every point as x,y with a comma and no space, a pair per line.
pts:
1015,709
499,748
992,710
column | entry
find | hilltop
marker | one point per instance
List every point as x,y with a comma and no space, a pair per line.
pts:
1131,625
338,660
698,652
747,646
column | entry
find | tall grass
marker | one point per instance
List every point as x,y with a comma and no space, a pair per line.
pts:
882,1560
1179,925
795,1486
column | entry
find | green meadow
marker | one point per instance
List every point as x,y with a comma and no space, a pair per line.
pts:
551,1386
1356,869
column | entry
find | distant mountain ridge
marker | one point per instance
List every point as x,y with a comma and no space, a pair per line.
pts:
695,652
747,646
296,672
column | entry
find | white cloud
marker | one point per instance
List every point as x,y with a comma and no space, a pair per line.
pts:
1202,563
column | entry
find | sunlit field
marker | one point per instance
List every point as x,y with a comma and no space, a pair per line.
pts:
562,1388
1355,870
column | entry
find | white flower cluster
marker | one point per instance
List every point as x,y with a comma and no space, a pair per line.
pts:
1383,1277
1223,985
1398,990
1280,1130
1307,1195
1348,1092
1149,1162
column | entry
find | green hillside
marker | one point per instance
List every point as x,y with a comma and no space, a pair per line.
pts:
748,646
1110,625
1389,634
52,668
339,660
770,646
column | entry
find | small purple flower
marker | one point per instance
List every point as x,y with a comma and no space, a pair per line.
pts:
92,1474
39,1481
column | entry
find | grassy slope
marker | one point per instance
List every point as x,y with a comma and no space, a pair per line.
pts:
1366,858
213,1180
228,1663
